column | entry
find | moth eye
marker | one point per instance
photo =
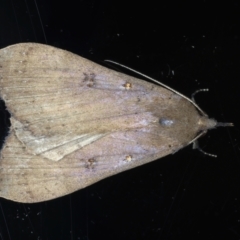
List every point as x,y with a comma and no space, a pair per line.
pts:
166,122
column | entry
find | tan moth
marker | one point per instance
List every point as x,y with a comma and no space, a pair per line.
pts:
74,122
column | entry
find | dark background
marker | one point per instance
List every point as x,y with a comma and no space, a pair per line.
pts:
187,45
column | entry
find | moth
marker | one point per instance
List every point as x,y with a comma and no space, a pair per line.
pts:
74,122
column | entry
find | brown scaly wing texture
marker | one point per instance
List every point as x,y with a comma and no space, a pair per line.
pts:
75,122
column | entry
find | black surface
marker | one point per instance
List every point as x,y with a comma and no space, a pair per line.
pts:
187,45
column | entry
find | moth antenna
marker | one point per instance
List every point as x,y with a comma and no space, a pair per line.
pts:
196,143
195,140
197,91
159,83
196,146
218,124
192,100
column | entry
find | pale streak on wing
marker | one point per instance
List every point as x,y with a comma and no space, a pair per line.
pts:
66,148
54,147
